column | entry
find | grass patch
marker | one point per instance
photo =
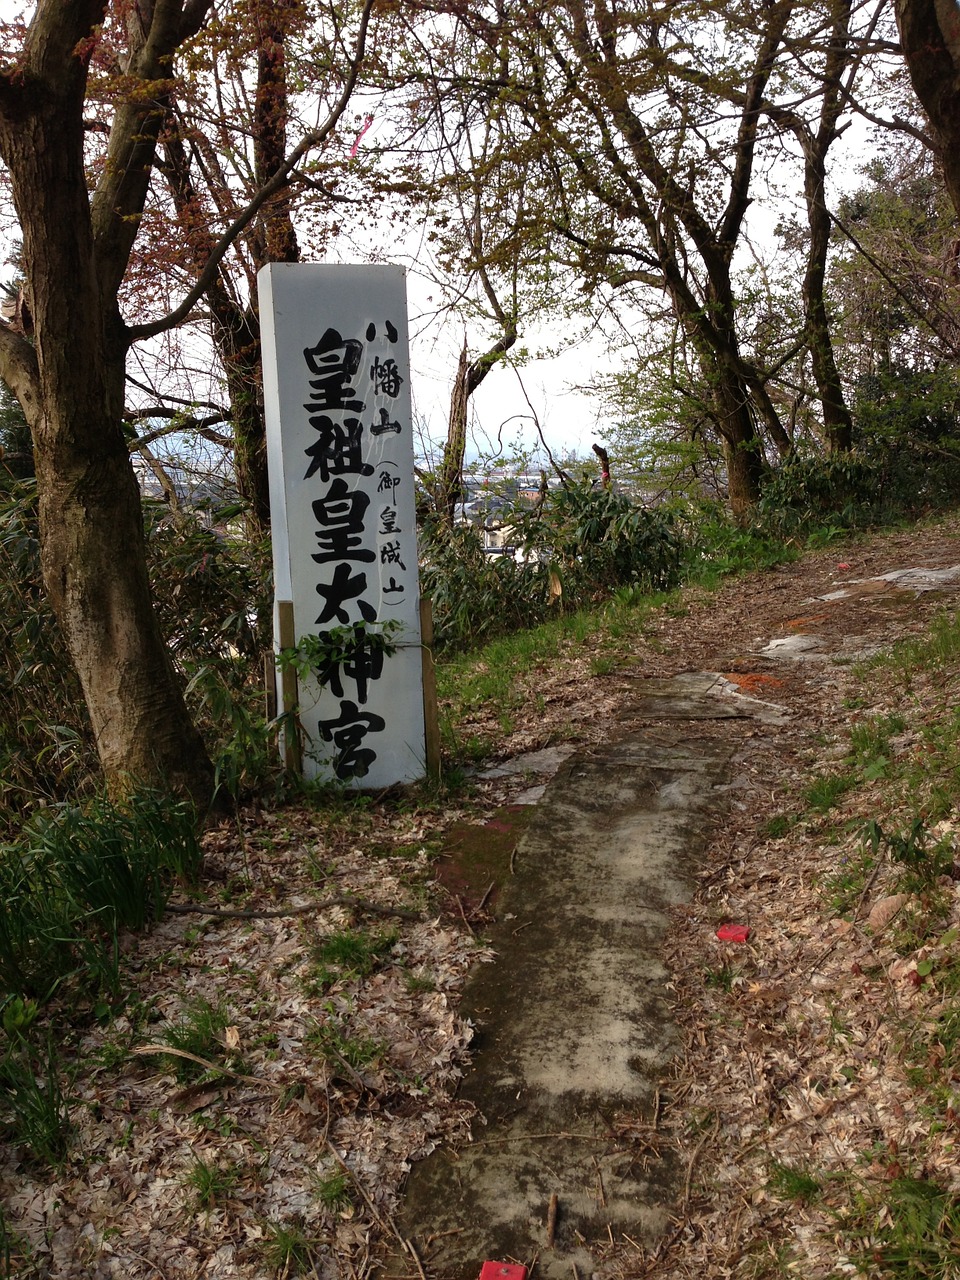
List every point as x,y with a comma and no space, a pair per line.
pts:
76,878
342,1049
780,825
913,1229
198,1031
938,650
35,1103
210,1183
287,1249
493,677
792,1183
352,953
721,979
826,790
334,1191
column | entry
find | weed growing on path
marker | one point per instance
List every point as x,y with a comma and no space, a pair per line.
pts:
198,1031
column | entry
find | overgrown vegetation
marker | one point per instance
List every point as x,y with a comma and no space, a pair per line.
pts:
212,593
575,549
889,478
79,876
76,880
895,877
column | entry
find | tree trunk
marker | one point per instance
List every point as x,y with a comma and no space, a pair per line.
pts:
715,340
450,480
742,451
71,389
240,352
470,374
235,324
93,558
837,422
930,39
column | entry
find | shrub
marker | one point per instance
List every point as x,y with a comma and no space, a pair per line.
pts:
579,547
604,540
477,596
844,491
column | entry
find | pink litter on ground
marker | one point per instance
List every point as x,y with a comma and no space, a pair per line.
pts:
733,932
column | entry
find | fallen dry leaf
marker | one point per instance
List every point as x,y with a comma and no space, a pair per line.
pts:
886,910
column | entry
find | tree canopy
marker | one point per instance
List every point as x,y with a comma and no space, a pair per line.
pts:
668,170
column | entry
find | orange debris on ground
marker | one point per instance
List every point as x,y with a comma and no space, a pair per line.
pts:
751,681
800,624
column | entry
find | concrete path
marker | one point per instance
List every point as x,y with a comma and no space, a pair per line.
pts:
573,1028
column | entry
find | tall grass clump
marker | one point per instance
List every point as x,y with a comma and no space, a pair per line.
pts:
477,596
46,748
840,492
34,1109
893,474
76,877
602,540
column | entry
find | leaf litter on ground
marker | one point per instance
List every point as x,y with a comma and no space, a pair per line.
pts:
794,1100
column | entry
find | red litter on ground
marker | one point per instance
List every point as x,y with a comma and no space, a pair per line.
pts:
502,1271
844,565
730,933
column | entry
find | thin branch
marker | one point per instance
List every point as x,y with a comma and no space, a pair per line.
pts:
904,297
180,422
314,138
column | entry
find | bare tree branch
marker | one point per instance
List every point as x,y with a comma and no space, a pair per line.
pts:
315,138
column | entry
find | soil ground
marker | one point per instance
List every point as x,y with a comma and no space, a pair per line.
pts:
786,650
331,1071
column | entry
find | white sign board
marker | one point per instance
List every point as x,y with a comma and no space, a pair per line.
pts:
336,380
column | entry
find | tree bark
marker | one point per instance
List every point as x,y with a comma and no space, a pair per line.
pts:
837,422
742,454
470,374
930,39
91,529
236,325
450,479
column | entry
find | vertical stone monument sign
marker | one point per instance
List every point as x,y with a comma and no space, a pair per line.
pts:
336,380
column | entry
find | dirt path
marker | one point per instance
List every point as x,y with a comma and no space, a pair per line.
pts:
574,1032
598,1141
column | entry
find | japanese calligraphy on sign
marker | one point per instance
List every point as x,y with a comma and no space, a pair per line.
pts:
340,453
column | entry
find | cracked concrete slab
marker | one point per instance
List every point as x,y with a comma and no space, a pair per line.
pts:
545,761
799,646
572,1017
701,695
914,580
